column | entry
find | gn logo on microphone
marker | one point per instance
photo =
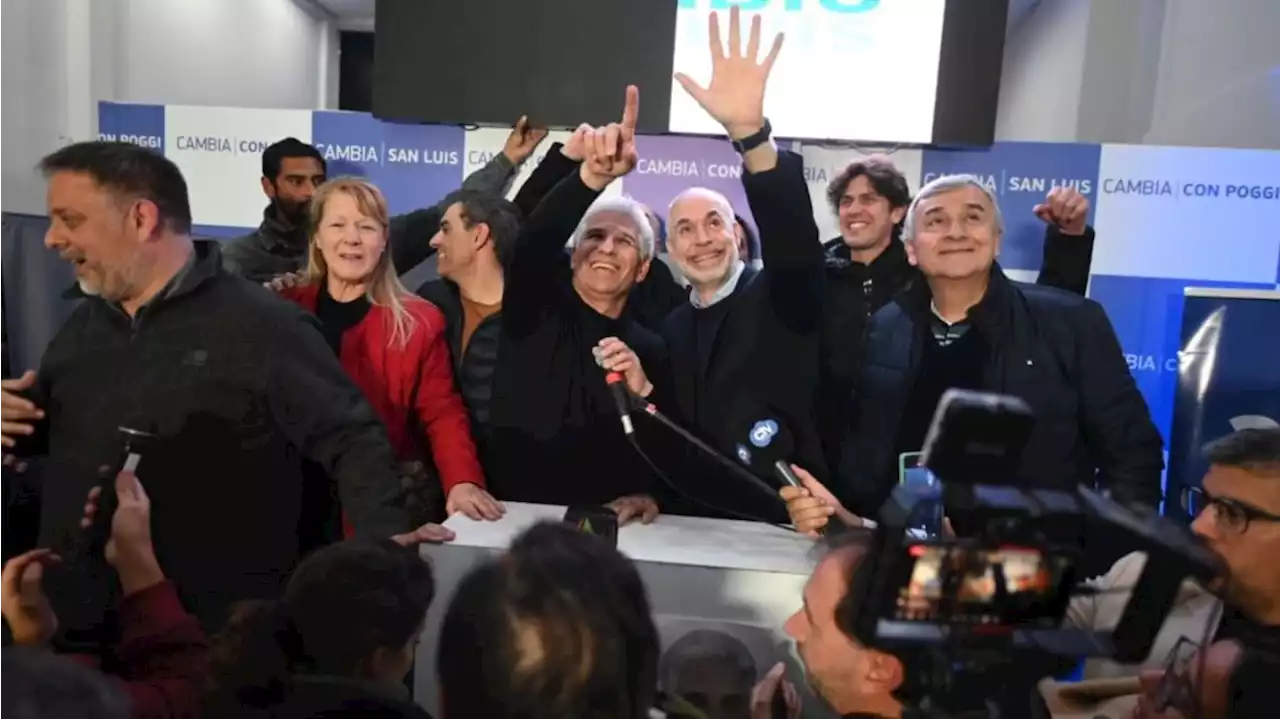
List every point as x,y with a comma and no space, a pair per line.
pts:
840,6
763,432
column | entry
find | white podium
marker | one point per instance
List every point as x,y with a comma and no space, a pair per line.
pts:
740,578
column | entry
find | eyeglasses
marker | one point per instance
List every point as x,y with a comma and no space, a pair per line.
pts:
1230,513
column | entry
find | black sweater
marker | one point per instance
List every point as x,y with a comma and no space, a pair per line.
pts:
239,387
556,436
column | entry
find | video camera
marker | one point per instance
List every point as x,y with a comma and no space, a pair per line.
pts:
978,618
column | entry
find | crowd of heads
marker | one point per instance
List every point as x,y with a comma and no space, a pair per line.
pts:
312,630
563,619
110,201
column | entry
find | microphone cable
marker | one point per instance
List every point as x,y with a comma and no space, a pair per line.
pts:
626,401
666,480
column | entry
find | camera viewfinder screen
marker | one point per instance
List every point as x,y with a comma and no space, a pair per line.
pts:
1005,587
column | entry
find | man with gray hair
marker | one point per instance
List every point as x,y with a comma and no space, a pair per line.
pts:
554,427
968,326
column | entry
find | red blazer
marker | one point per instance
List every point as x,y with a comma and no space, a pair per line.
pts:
415,380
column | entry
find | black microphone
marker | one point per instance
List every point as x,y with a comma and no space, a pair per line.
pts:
621,399
768,449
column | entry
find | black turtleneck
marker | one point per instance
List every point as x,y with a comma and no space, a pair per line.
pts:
338,317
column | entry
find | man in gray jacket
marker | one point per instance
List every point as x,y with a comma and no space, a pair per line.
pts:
291,172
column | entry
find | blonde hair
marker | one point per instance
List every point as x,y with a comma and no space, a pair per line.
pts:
383,287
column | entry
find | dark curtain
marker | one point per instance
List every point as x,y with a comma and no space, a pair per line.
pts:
34,282
33,310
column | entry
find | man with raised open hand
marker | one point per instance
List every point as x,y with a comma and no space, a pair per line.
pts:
744,347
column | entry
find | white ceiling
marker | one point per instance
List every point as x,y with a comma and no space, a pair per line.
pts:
351,14
358,14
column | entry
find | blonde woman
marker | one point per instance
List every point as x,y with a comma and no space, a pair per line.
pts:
391,342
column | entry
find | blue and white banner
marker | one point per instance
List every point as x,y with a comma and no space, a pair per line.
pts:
1227,377
1167,217
1021,174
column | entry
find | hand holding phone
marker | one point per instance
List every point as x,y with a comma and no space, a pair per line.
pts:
133,444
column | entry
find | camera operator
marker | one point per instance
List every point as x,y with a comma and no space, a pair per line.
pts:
854,680
1241,492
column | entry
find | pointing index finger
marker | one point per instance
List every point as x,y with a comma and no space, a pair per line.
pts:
631,110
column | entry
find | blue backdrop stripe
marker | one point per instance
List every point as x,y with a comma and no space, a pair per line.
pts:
1140,237
1021,174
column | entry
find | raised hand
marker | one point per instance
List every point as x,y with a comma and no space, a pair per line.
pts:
610,151
735,97
1066,208
575,147
522,141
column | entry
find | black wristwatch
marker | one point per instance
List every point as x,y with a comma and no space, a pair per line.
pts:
747,144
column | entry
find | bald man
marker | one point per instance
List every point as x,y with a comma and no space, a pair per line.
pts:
744,346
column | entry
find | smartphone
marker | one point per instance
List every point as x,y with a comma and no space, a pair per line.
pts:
920,480
1175,690
133,445
594,519
778,708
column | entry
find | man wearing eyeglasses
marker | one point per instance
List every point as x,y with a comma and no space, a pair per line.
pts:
1237,514
1237,511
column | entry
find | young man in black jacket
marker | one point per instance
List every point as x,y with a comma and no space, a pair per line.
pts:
867,266
291,172
555,429
236,386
